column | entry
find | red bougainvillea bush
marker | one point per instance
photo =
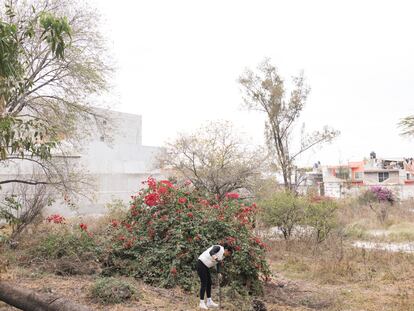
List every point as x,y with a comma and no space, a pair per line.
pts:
167,228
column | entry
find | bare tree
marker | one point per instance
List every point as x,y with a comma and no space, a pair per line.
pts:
24,206
264,91
214,159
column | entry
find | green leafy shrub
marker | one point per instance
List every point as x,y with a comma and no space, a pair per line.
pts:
169,226
288,212
111,290
320,214
284,210
66,250
65,243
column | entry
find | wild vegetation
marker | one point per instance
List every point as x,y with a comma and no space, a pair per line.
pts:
316,267
289,251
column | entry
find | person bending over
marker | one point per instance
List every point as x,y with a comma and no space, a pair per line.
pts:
209,258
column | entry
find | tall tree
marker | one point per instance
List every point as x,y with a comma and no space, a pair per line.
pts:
214,159
53,62
264,90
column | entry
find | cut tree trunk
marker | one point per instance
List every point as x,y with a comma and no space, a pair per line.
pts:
28,300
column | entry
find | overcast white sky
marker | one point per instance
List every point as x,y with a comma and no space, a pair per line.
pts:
178,62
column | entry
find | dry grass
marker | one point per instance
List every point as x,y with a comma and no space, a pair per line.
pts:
330,276
360,222
351,279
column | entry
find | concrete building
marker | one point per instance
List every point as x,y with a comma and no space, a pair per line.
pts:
115,160
339,181
118,161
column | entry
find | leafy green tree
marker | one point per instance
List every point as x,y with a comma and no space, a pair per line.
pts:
53,62
19,135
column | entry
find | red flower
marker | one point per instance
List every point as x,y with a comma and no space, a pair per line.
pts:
121,238
237,248
182,200
167,183
259,242
232,195
128,226
204,202
231,240
56,219
151,233
189,214
173,270
151,199
83,227
128,244
162,190
152,184
114,223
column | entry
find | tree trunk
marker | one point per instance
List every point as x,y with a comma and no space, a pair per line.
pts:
28,300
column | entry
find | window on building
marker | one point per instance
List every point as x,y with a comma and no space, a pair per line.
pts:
408,176
383,176
342,173
359,175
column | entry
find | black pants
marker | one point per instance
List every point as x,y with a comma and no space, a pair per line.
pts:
205,278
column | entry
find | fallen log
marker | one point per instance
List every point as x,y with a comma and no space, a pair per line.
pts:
28,300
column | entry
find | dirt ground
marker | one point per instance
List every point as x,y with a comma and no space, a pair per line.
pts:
280,294
288,291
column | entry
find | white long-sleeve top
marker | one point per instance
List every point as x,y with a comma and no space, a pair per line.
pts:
207,256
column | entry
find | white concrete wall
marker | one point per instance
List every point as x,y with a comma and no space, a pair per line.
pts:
403,192
118,164
333,190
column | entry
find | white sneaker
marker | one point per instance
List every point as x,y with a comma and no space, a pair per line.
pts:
203,305
212,304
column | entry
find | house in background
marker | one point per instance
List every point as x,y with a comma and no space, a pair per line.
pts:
396,174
